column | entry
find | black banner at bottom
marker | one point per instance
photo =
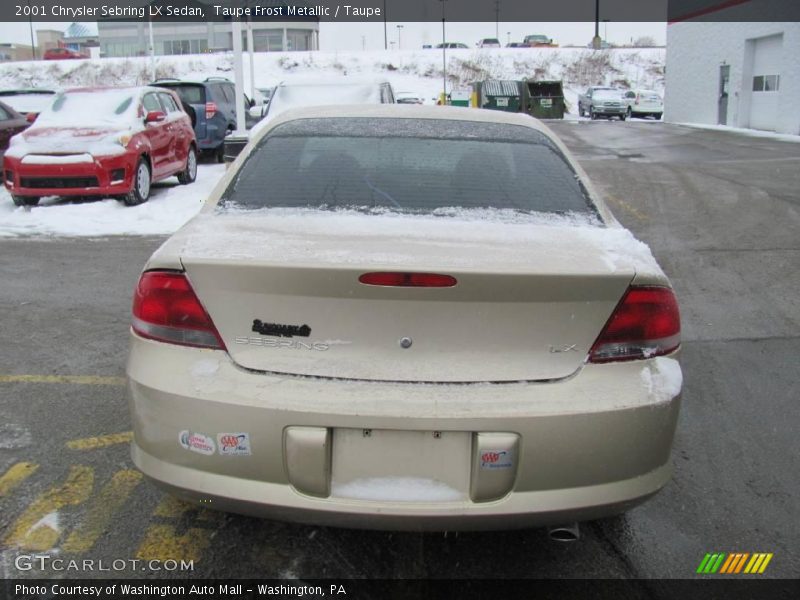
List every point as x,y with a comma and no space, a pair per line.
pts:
464,589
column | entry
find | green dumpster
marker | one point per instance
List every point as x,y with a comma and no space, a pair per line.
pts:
498,94
544,99
459,97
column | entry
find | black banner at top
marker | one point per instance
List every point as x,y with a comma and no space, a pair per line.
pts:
506,11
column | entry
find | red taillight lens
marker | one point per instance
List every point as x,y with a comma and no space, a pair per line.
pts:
645,324
165,308
408,279
31,117
211,109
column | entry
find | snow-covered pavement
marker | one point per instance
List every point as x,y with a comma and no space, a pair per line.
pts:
169,207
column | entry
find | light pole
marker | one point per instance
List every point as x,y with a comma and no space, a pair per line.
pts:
399,30
30,21
508,37
385,35
605,30
444,58
497,19
596,38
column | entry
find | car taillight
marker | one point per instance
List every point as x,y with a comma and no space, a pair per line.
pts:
165,308
31,117
211,109
407,279
646,323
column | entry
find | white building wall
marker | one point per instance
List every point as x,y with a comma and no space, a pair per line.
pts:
695,52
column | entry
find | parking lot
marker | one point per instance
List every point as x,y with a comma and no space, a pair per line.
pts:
721,212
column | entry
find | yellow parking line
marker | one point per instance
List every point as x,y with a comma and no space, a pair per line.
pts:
628,207
101,441
37,528
172,508
111,498
15,475
72,379
161,542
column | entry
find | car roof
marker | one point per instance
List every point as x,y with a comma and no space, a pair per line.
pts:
134,89
337,82
21,91
176,81
400,111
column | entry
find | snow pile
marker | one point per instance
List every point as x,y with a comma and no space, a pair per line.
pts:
169,207
396,489
414,72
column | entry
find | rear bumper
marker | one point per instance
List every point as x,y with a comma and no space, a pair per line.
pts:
646,110
590,446
110,175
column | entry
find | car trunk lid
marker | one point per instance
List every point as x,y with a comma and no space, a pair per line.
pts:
285,295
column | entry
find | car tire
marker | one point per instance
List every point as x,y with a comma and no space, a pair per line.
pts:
622,117
219,153
25,200
581,112
657,116
140,190
189,174
592,114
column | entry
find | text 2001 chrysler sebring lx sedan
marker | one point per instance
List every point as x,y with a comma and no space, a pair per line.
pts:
405,317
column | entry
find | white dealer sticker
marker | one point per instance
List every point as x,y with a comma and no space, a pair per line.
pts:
234,444
197,442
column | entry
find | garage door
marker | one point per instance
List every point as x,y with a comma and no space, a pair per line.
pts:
766,82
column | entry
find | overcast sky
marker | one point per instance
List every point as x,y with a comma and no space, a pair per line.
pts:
355,36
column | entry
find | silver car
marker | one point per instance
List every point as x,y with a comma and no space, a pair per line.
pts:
405,317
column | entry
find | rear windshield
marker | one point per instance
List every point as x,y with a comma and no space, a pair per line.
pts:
407,165
190,94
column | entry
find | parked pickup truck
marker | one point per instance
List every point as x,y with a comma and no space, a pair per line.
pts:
603,102
585,99
538,41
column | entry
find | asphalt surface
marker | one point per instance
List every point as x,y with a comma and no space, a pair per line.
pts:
720,211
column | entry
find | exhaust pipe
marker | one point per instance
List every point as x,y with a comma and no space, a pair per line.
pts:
565,533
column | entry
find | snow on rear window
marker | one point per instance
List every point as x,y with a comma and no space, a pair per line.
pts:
103,108
407,165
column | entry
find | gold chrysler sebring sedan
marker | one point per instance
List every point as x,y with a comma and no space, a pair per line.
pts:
405,317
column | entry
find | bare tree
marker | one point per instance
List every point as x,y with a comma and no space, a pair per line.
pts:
645,41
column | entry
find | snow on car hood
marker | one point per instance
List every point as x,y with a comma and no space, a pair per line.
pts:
68,140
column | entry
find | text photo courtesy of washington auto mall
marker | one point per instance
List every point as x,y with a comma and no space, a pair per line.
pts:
399,299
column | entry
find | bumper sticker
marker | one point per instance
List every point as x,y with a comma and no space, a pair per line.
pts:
196,442
234,444
496,460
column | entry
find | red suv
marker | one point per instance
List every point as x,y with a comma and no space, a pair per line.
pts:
102,142
62,53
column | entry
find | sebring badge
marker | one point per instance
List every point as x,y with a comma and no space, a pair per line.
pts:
281,330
